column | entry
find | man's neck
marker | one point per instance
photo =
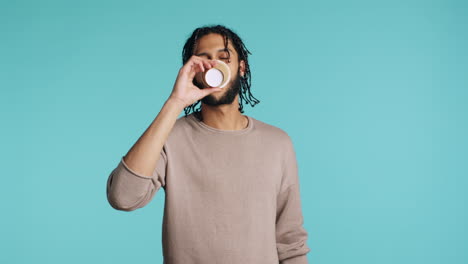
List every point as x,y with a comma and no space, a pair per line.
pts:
224,117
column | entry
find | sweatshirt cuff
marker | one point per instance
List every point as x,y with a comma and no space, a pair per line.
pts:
132,171
302,259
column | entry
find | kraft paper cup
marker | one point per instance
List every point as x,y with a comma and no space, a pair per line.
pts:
217,76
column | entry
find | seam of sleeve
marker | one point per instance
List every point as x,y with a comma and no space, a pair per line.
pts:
283,173
132,171
163,156
159,174
282,176
287,188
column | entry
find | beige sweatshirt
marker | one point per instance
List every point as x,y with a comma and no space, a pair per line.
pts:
231,196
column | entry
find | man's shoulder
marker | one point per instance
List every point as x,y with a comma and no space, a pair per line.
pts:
182,125
182,120
271,130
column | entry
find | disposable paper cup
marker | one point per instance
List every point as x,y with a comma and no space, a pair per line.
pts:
218,76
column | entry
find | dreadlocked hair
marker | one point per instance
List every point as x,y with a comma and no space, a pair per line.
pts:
242,51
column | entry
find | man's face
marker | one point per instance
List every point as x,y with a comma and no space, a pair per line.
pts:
211,47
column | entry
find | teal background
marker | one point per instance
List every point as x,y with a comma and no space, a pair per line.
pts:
373,94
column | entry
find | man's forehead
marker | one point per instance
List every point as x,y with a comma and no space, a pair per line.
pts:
214,42
205,51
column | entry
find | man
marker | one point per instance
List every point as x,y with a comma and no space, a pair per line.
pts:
231,181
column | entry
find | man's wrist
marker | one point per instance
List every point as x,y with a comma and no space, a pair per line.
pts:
176,102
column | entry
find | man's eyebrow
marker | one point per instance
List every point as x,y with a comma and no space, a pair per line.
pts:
220,50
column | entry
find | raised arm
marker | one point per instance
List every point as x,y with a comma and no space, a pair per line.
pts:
135,180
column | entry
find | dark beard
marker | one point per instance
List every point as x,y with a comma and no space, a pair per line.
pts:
227,98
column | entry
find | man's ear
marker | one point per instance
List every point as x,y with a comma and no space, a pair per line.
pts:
242,68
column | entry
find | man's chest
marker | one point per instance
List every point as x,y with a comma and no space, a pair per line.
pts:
226,166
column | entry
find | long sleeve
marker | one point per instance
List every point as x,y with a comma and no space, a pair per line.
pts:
291,236
127,190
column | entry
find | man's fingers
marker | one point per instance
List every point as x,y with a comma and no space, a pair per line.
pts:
191,69
207,91
204,63
197,64
200,64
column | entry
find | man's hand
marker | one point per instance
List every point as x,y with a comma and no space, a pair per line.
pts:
184,90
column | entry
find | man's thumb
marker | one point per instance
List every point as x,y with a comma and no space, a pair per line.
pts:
208,91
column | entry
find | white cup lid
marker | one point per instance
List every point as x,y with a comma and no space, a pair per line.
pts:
214,77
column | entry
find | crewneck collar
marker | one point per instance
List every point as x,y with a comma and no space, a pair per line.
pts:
210,129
